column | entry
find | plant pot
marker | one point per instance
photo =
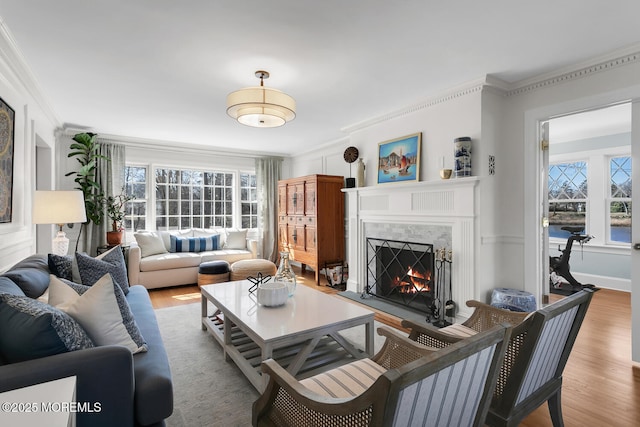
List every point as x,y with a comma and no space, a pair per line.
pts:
114,237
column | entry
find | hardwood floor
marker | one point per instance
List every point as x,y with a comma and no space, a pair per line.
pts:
601,384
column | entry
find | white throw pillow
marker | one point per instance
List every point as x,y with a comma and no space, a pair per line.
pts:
236,239
150,243
99,312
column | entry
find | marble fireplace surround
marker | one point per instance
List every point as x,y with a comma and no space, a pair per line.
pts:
442,213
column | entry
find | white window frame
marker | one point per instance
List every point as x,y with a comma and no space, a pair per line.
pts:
597,218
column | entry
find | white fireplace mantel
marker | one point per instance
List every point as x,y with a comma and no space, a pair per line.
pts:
448,202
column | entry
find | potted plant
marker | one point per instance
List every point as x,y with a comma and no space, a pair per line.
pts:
85,148
115,207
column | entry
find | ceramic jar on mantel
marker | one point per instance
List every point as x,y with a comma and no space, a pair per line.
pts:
462,157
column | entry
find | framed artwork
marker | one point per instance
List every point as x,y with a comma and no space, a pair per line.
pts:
399,159
7,119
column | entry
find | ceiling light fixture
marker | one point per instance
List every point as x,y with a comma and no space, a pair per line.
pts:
261,107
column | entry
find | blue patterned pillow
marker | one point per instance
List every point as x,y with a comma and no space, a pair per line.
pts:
194,244
112,261
105,322
30,329
61,266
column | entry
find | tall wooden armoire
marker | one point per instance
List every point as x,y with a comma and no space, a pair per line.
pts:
311,220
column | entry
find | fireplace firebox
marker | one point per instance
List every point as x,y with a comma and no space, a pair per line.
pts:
402,273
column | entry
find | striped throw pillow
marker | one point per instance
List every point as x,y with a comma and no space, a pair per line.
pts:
194,244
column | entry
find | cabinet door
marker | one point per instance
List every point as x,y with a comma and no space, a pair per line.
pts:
282,199
295,199
295,237
310,198
310,239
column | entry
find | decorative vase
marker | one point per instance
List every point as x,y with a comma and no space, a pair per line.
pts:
285,273
462,157
360,175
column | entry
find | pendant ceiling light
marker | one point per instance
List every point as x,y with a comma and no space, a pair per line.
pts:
261,107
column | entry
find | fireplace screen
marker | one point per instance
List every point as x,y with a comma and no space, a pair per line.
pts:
401,272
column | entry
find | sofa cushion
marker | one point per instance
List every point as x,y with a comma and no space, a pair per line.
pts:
194,244
236,239
7,286
170,261
150,243
229,255
101,309
112,261
31,275
154,391
30,329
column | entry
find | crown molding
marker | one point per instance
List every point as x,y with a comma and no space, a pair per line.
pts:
607,62
487,82
162,145
17,65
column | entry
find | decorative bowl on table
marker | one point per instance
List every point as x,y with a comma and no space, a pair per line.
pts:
272,294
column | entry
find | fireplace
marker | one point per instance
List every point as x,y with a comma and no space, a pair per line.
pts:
402,273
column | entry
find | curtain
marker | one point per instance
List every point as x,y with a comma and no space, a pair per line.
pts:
268,173
110,176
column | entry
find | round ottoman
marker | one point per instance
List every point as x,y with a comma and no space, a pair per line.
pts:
244,268
513,299
213,272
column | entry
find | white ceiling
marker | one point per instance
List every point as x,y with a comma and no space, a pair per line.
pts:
161,69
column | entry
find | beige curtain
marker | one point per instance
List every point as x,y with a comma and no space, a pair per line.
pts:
110,176
268,173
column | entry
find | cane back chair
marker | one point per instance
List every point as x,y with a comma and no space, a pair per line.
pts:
415,385
537,353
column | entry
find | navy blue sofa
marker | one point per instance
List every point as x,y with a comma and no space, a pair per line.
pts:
133,390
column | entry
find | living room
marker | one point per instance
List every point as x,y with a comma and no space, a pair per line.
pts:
498,105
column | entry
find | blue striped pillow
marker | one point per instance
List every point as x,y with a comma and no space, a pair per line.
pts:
194,244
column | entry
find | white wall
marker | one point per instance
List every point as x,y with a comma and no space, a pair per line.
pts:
34,124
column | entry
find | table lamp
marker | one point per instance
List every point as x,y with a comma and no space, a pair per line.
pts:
59,207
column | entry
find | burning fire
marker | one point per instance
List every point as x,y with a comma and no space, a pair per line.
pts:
418,282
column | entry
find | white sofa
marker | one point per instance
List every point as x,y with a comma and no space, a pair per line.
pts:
152,263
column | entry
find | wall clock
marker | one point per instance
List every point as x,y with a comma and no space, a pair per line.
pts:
351,154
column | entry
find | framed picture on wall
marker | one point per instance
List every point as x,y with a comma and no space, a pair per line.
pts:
399,159
7,120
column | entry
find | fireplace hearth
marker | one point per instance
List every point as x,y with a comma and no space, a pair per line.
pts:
402,273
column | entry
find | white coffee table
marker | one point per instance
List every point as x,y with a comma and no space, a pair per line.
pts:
302,335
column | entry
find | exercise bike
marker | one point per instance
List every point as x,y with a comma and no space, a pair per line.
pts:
559,265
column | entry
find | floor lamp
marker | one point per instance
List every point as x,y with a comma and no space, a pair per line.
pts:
60,208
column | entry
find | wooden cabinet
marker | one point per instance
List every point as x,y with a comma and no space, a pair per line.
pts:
311,220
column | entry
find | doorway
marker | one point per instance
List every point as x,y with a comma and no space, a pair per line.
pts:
588,192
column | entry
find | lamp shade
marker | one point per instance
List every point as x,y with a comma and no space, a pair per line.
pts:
58,207
261,107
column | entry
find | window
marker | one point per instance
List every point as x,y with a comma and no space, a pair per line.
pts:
136,209
187,198
193,199
620,199
568,197
248,200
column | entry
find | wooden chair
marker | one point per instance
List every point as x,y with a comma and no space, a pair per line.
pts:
414,385
535,359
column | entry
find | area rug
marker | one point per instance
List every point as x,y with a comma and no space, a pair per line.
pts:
209,391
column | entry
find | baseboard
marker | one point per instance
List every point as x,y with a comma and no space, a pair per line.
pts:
614,283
